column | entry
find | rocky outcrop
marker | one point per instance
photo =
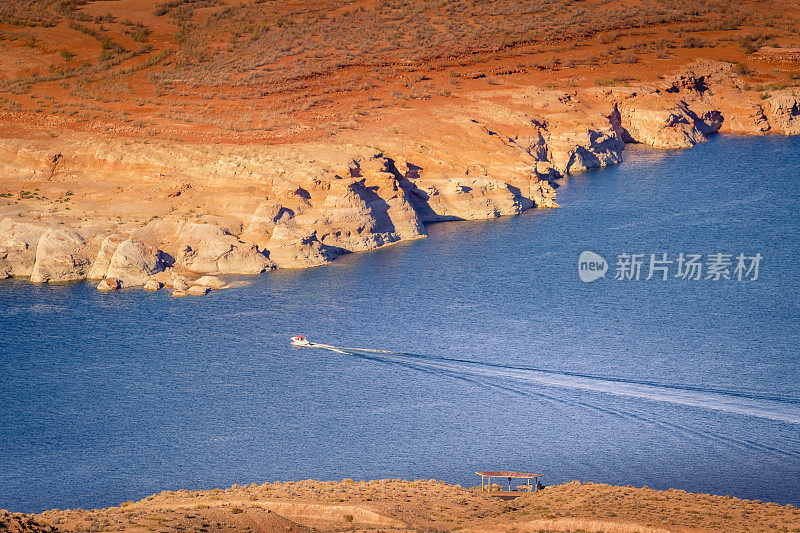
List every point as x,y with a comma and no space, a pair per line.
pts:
153,285
361,208
745,116
783,109
289,249
134,262
583,147
18,242
690,82
467,198
171,279
713,93
210,249
643,119
353,217
542,193
268,214
212,282
101,263
352,206
61,255
197,290
179,283
108,284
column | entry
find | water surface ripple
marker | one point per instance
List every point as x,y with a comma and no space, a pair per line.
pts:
479,348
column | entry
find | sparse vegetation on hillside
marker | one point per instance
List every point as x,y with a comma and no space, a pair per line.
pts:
259,42
285,70
429,505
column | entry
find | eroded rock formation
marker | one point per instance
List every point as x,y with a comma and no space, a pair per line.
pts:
61,255
244,209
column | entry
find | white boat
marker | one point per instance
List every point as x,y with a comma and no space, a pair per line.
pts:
300,340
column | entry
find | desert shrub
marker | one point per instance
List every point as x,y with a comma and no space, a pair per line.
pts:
108,17
752,42
694,41
741,68
613,81
138,32
68,7
730,22
626,56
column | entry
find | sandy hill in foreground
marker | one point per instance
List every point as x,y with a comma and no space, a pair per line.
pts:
424,505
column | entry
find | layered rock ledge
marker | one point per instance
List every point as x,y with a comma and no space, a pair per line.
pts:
160,215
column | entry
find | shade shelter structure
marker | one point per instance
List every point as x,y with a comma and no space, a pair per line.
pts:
486,478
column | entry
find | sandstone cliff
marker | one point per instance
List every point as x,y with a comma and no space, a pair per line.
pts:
133,212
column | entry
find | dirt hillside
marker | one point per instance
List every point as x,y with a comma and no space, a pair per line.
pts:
425,505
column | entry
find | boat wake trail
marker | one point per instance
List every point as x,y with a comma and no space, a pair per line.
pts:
781,408
523,388
330,348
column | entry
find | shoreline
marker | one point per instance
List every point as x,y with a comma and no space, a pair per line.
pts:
158,215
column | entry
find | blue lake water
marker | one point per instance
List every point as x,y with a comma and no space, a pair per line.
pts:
503,358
